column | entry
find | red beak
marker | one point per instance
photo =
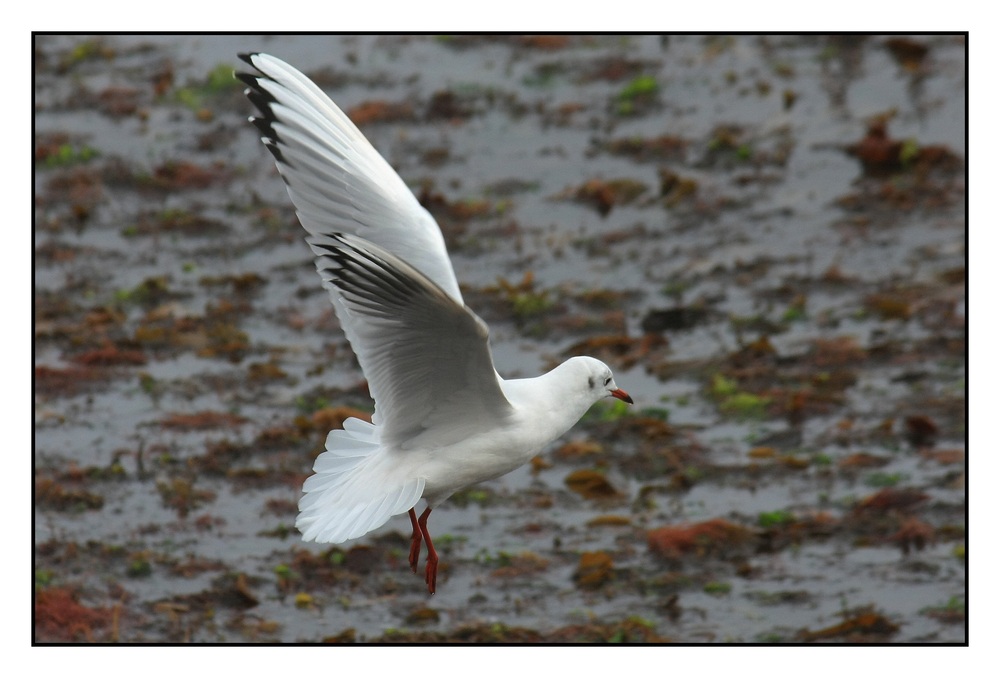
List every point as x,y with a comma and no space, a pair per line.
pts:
622,395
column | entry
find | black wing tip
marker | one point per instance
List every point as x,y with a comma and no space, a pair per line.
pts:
265,125
249,79
247,57
278,156
262,100
259,96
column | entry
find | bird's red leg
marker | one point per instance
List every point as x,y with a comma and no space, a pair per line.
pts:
414,541
432,556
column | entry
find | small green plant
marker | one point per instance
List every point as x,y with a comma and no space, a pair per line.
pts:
783,69
149,291
794,313
147,383
770,637
310,405
500,559
530,304
951,612
43,578
737,403
661,413
139,567
94,48
908,152
607,410
717,588
643,85
884,479
722,387
632,629
675,288
727,142
639,89
68,154
618,636
281,531
447,539
692,474
473,495
827,53
543,76
745,406
219,79
779,518
114,471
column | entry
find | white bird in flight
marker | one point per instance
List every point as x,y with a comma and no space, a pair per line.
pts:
444,419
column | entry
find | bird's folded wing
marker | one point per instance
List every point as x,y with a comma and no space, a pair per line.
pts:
427,358
337,181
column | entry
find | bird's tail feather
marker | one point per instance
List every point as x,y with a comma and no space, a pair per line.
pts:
351,493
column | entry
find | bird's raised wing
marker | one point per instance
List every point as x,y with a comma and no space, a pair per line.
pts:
338,182
427,357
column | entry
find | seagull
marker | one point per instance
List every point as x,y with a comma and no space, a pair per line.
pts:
444,419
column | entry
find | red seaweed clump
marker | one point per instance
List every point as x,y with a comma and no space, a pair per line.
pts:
711,537
61,617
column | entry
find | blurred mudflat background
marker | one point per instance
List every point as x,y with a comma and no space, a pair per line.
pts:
764,237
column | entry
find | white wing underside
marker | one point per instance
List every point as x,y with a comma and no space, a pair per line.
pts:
338,182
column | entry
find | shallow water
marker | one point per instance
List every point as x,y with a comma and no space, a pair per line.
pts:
769,229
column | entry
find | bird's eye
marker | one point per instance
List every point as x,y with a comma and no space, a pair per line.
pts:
607,380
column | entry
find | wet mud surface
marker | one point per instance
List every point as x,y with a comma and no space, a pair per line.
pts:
763,236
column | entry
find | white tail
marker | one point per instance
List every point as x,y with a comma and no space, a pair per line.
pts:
341,502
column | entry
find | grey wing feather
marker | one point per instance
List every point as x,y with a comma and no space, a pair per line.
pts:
426,357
